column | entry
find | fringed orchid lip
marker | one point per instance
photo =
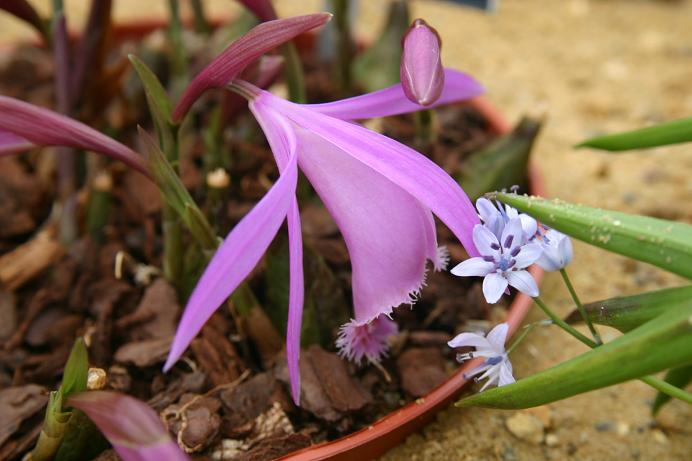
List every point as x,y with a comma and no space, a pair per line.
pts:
381,194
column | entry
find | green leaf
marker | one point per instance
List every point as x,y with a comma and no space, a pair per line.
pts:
660,344
74,378
662,243
675,132
678,377
503,163
82,439
628,312
159,104
53,429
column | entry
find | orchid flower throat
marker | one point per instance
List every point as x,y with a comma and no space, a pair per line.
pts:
243,88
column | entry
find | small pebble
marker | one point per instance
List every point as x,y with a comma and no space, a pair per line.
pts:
551,440
622,429
525,426
659,436
543,413
603,426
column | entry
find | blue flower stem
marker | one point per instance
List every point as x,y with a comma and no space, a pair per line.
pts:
562,324
525,331
580,307
652,381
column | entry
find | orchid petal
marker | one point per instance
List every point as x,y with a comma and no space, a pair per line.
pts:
295,299
239,54
387,231
528,254
235,258
10,143
493,286
131,426
469,340
421,73
497,337
392,100
523,281
473,267
283,144
47,128
401,165
486,242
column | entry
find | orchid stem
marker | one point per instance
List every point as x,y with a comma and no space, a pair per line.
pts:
343,43
201,24
424,128
652,381
294,73
178,55
580,307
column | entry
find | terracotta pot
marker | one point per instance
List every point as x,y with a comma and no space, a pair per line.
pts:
391,430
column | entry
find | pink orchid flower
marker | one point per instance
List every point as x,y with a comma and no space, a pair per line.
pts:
381,194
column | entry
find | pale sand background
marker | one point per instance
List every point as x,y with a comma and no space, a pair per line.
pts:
590,67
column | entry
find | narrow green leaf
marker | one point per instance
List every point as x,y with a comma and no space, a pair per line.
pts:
159,104
53,429
81,440
678,377
662,243
503,163
628,312
176,195
660,344
675,132
74,378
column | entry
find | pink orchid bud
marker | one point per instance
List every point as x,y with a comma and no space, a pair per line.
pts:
422,75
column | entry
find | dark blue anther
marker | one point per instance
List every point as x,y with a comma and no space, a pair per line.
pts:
508,241
515,251
494,246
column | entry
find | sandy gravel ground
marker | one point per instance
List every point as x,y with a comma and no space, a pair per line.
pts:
588,67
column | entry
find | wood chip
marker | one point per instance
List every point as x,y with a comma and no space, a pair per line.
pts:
30,259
